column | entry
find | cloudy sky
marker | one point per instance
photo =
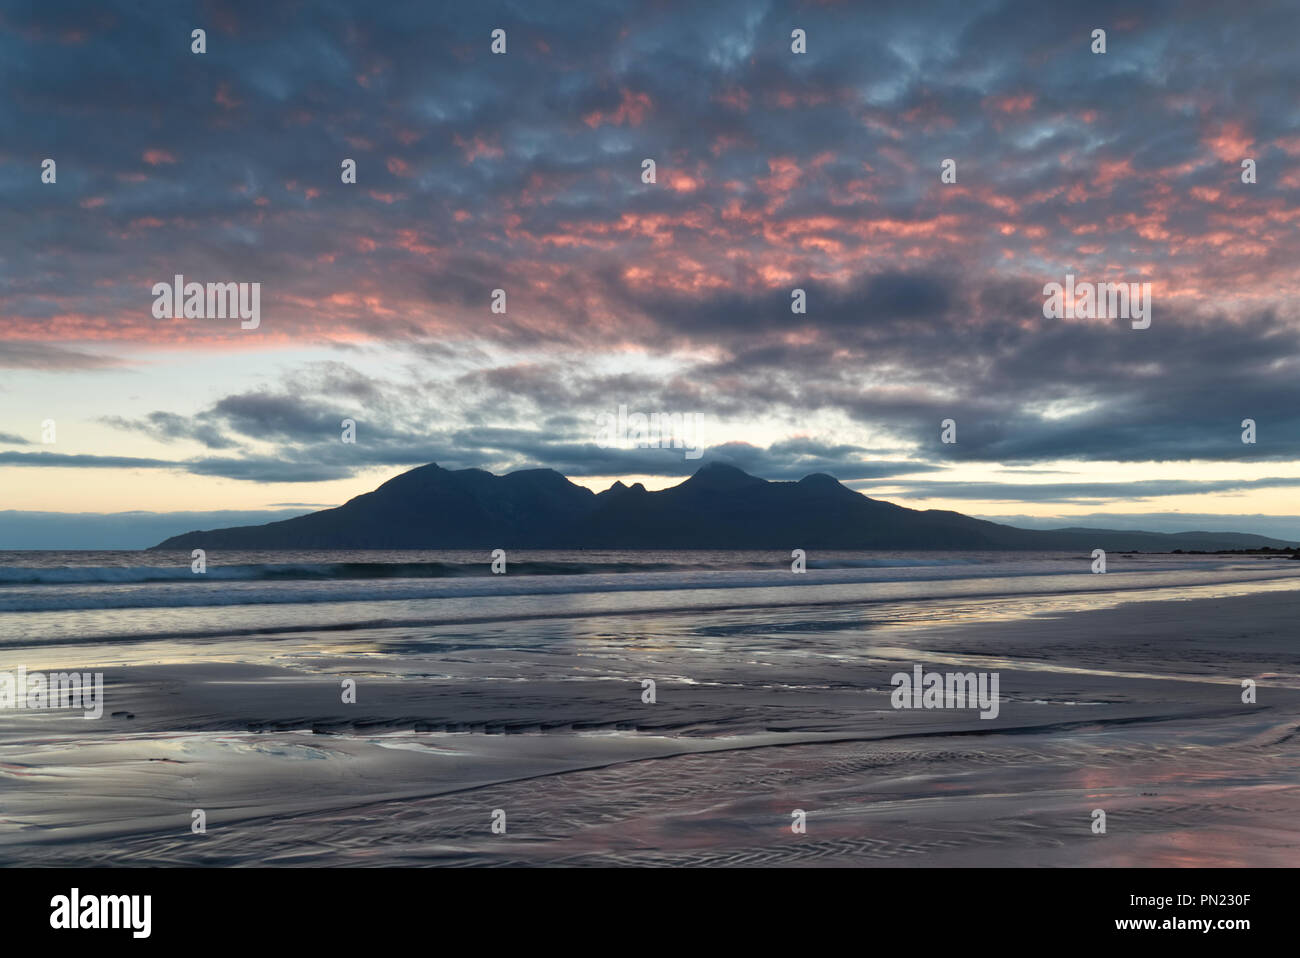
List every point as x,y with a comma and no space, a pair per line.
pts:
774,171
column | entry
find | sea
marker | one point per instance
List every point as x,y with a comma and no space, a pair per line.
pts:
370,708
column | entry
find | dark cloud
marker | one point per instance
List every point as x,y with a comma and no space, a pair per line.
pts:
51,358
65,461
775,171
168,427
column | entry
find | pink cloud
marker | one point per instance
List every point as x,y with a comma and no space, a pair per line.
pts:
632,110
476,147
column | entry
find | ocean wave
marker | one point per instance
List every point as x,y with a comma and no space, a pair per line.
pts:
343,571
192,590
327,571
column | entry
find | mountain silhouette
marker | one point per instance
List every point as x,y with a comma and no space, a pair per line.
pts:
719,507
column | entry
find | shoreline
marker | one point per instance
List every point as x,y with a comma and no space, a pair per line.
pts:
257,735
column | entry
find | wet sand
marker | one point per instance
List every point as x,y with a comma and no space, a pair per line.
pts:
1128,702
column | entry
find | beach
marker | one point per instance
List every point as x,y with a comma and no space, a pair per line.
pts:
521,700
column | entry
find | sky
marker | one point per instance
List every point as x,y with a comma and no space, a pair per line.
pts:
524,172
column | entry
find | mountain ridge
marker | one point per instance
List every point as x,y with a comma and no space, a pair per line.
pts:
717,507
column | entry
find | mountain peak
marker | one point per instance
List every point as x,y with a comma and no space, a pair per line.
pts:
818,479
718,475
538,475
